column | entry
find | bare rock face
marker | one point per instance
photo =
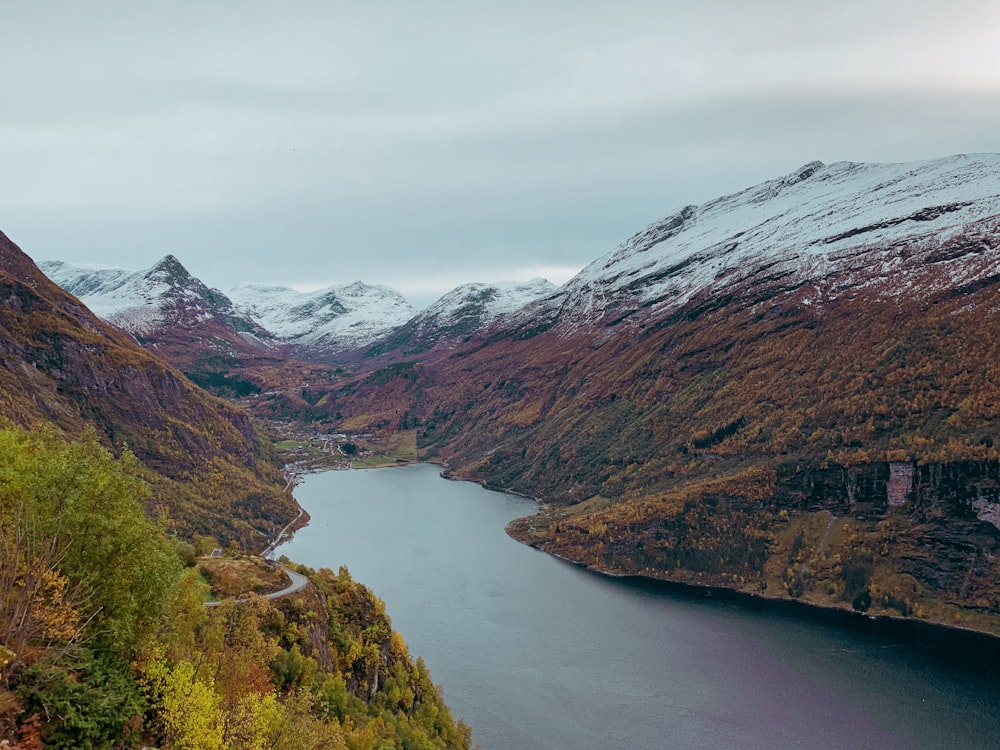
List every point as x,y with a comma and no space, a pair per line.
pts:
900,483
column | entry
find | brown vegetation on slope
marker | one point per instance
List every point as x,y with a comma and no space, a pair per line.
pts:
59,363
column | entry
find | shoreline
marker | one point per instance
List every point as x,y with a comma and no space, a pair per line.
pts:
878,625
299,522
839,616
842,617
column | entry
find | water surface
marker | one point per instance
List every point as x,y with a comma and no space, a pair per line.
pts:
536,653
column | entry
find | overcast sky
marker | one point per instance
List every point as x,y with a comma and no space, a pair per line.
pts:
426,144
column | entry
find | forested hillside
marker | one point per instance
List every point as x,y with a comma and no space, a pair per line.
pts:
105,640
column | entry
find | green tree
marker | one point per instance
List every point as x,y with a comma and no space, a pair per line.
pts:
187,705
89,697
76,510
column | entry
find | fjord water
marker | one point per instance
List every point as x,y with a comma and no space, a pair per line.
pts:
534,652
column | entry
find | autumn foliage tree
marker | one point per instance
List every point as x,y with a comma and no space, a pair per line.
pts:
81,561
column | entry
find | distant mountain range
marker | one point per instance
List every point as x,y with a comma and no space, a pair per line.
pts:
169,310
458,315
337,318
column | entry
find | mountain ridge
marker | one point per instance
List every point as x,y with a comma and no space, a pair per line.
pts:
464,311
343,316
166,309
809,212
208,333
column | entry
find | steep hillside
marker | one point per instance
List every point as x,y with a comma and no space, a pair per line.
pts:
59,363
790,390
106,642
461,313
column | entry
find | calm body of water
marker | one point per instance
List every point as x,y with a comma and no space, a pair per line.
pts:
536,653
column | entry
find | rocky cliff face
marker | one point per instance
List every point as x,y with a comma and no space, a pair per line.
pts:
62,364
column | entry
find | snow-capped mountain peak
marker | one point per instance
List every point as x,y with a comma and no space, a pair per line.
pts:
143,301
812,219
462,312
343,316
169,270
487,302
147,302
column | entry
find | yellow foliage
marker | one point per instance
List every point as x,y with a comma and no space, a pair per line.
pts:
56,613
189,708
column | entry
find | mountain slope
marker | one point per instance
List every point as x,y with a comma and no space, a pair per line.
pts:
843,224
166,309
60,363
702,402
462,312
336,318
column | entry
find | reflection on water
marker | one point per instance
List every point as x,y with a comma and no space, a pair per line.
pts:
536,653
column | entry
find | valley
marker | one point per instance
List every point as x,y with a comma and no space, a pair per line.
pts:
692,406
786,393
806,423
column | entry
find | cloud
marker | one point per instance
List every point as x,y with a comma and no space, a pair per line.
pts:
449,142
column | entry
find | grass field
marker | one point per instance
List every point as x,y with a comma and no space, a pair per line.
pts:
388,450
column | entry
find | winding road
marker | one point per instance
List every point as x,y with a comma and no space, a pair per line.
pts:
296,583
269,550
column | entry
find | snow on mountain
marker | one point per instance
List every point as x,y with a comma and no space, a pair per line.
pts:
804,225
479,305
144,302
345,316
462,311
853,222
